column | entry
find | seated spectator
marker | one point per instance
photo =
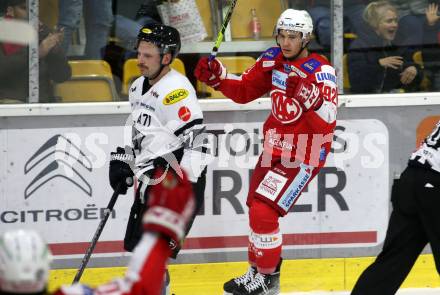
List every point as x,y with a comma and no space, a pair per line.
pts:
53,65
98,18
431,48
375,64
320,13
131,17
411,22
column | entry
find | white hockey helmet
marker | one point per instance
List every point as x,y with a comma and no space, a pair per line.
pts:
295,20
24,262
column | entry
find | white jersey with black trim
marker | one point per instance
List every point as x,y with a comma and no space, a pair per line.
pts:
163,117
428,154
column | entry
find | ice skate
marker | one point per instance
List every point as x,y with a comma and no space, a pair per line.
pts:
232,285
261,284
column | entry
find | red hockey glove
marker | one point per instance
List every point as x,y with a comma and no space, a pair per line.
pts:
306,93
170,205
210,72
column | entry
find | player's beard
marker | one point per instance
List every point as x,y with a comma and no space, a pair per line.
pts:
148,72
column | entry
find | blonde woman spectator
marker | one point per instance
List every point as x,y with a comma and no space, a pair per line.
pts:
411,20
374,55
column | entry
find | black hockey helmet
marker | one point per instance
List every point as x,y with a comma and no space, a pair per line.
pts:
165,37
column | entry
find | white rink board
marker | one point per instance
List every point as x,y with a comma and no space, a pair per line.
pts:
56,181
356,180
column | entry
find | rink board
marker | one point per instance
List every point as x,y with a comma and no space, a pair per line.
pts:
54,177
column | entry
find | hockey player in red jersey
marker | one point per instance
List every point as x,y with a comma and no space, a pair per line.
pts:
25,258
297,137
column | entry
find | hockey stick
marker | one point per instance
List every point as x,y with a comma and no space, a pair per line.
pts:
98,232
221,33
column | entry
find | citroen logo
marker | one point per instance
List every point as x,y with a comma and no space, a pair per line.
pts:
58,157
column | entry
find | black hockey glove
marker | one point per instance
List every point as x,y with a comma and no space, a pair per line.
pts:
120,172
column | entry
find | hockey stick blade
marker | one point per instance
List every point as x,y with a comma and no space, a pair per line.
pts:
98,232
221,33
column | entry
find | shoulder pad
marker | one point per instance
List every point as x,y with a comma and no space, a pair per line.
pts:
311,65
270,54
136,83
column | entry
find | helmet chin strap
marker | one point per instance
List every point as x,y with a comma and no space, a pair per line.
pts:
160,69
304,45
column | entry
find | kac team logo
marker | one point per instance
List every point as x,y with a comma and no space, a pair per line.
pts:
58,157
285,109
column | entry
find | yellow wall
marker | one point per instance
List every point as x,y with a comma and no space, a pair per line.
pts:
267,12
205,12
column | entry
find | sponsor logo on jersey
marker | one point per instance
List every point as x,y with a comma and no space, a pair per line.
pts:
155,94
60,158
147,106
175,96
279,79
310,65
268,63
271,53
132,89
271,185
321,77
289,25
184,114
285,109
274,139
287,68
296,187
298,72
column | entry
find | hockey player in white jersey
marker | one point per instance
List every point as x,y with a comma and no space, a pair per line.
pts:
166,127
414,221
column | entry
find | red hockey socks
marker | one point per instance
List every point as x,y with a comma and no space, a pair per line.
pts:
265,240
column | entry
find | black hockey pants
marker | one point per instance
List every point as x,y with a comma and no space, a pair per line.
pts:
414,222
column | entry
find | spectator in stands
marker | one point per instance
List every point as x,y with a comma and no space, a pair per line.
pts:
98,18
431,48
411,22
53,66
320,13
375,56
131,17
